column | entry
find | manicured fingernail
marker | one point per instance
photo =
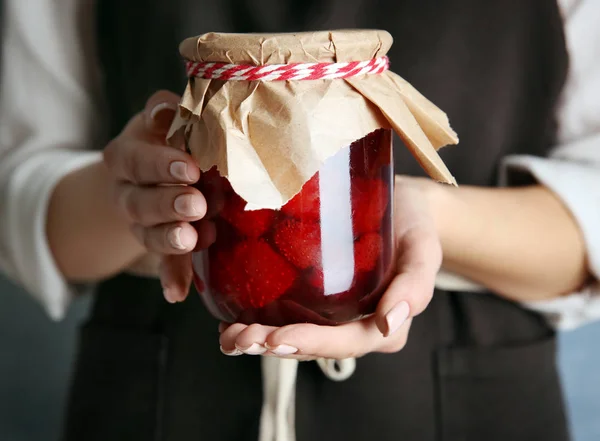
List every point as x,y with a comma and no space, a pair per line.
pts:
160,107
181,239
184,205
282,349
254,349
233,353
179,170
161,117
174,237
396,317
169,297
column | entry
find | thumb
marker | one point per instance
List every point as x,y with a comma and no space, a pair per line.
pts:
159,112
412,289
156,118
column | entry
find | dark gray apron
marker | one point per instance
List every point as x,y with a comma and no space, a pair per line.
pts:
476,367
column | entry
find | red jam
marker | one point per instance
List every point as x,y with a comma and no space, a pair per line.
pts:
325,257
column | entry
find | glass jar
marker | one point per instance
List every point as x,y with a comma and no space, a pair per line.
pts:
260,114
325,257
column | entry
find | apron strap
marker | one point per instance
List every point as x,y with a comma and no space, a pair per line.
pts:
277,419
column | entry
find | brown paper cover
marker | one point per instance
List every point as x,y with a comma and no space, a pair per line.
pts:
268,138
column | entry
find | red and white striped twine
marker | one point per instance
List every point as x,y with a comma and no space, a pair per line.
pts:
283,72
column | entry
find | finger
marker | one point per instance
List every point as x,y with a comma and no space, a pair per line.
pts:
227,339
411,290
344,341
159,111
133,160
176,277
293,356
154,122
251,340
150,206
174,238
397,341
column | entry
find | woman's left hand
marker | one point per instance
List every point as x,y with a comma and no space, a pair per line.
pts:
419,259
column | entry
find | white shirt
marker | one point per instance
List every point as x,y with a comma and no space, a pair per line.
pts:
48,119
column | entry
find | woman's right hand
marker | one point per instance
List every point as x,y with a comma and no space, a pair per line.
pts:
154,192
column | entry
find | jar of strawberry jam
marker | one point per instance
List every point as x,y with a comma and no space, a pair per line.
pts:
293,133
324,257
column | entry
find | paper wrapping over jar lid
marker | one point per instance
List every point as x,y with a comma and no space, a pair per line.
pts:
270,137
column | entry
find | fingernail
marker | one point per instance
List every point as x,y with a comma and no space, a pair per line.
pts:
233,353
179,239
282,349
184,205
178,170
172,296
254,349
396,317
169,297
159,108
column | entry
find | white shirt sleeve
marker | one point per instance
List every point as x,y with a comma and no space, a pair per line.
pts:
47,127
572,170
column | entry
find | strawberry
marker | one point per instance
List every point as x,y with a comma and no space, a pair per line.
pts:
370,199
367,251
299,242
307,203
369,154
366,254
252,273
248,223
315,277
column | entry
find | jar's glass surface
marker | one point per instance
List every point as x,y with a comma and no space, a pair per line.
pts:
325,257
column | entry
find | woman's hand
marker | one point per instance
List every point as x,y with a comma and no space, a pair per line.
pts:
154,195
419,259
